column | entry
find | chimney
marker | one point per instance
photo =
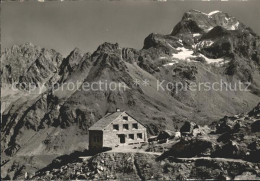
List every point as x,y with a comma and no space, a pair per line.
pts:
117,110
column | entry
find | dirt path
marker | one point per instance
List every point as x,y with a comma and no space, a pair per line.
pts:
210,158
131,149
134,151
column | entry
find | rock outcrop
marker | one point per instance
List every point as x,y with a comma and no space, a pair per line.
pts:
139,166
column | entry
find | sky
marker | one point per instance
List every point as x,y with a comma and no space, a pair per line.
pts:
87,24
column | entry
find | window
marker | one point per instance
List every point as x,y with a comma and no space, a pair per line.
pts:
131,136
115,127
139,136
135,126
125,118
125,126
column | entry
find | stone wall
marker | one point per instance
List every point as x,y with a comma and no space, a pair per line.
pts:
110,135
95,139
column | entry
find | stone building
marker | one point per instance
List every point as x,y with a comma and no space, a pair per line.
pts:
116,129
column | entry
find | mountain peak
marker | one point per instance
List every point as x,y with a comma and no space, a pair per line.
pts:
76,49
200,12
75,52
107,46
73,58
24,46
194,21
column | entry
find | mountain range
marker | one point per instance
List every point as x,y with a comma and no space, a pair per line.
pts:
37,126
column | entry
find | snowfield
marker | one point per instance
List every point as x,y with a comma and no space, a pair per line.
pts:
187,55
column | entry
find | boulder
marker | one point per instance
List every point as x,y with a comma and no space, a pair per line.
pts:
255,145
255,126
225,137
228,124
191,148
228,150
166,134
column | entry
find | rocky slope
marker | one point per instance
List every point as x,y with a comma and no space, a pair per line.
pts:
28,63
231,137
201,48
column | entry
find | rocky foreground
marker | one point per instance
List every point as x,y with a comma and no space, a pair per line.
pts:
142,166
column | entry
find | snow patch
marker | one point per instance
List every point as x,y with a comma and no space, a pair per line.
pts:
227,19
214,12
195,34
235,26
170,45
185,54
162,58
209,29
211,60
170,64
180,42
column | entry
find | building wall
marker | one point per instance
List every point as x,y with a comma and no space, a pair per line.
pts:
110,135
95,140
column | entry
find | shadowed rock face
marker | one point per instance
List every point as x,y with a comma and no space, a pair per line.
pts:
30,119
29,64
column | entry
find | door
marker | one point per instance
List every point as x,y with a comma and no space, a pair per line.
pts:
121,138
